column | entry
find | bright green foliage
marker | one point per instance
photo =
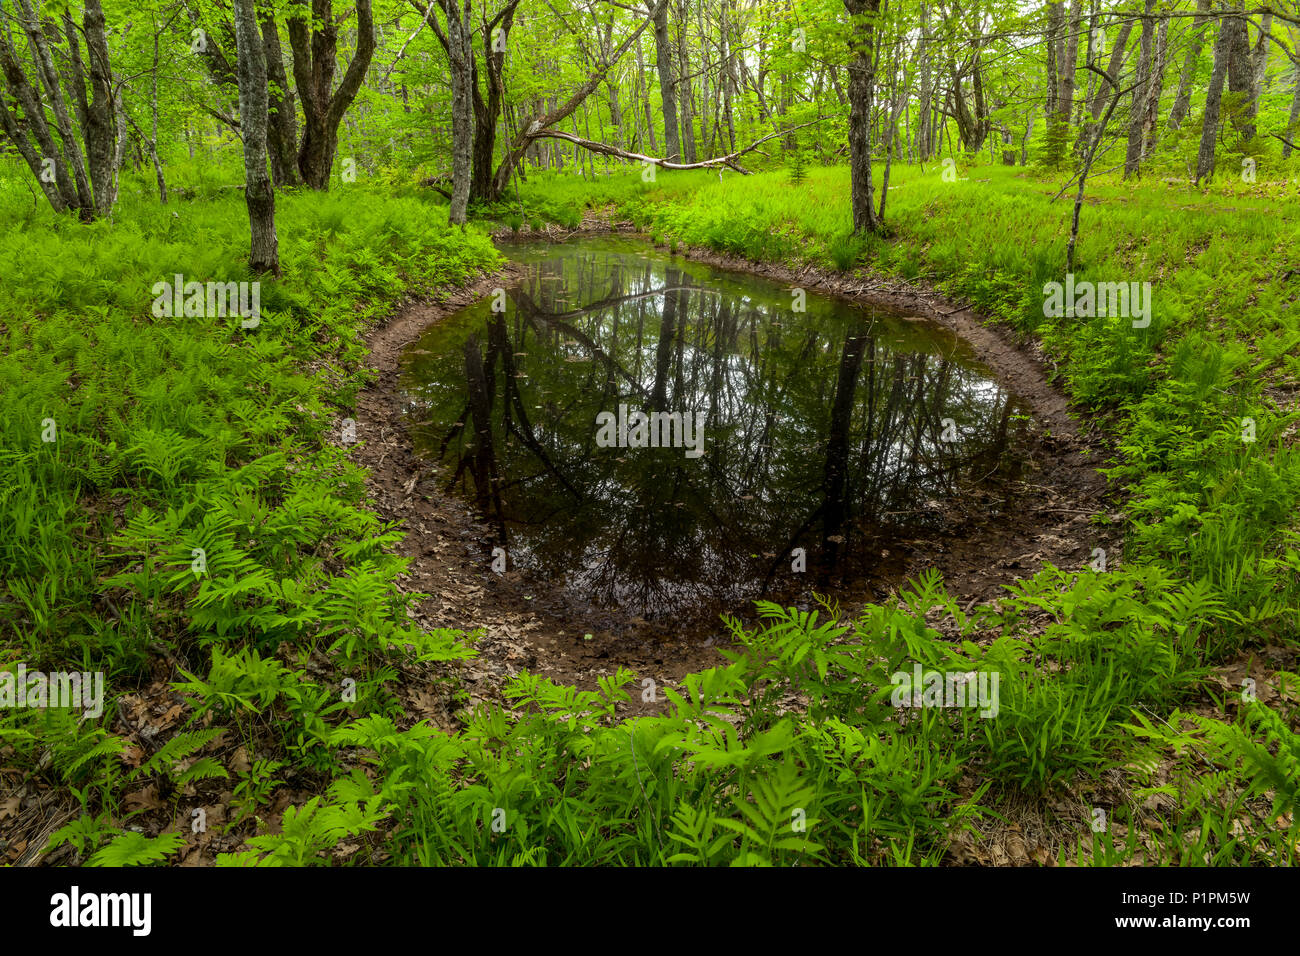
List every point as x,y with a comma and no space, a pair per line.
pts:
135,849
179,435
175,435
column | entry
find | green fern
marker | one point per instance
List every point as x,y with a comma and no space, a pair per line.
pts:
175,750
135,849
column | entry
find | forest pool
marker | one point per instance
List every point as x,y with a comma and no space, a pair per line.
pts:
671,439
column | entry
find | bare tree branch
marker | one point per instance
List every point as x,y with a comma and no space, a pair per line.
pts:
729,160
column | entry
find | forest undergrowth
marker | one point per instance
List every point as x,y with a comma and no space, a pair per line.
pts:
179,513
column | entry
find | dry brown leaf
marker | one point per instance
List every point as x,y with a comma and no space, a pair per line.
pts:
193,857
145,799
9,808
170,716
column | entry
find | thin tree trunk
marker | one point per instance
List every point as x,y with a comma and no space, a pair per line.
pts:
616,113
1151,116
728,76
1241,73
1090,155
1118,56
1094,51
104,151
645,98
119,153
861,88
1293,124
282,123
259,194
49,78
1183,99
461,54
924,125
78,174
664,64
1259,58
1065,103
1213,97
1138,113
684,87
1053,39
153,141
705,99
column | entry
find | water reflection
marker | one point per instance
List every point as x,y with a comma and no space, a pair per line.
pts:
831,430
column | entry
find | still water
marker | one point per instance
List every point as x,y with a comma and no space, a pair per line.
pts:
798,435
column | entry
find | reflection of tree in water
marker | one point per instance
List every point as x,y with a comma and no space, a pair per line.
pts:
824,429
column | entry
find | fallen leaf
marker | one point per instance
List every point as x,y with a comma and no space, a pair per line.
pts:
145,799
9,808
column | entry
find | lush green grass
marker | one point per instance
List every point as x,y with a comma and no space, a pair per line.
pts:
175,434
171,433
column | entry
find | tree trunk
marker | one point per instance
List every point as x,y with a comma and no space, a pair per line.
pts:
1118,56
77,174
1095,33
972,127
1151,114
924,127
488,110
728,75
1183,99
282,123
460,52
684,87
153,142
1293,124
705,98
835,509
1241,73
1053,39
101,123
1141,92
315,49
861,89
49,78
616,114
119,152
1213,97
259,194
644,97
1259,58
664,64
1065,101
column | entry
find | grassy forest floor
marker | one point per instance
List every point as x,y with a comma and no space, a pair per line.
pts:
274,695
